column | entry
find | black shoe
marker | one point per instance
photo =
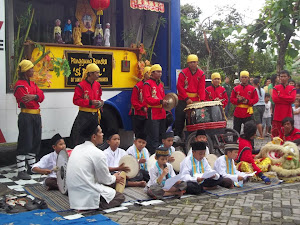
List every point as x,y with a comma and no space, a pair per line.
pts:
23,176
36,204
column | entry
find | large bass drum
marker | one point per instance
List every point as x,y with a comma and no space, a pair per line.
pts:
205,115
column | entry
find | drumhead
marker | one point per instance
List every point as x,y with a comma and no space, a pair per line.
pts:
211,158
61,164
132,163
151,162
199,105
179,156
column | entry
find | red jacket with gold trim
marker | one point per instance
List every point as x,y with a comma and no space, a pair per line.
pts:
213,92
153,92
23,87
85,92
137,101
191,83
249,93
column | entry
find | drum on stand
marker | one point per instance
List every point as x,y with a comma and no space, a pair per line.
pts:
61,170
179,156
132,163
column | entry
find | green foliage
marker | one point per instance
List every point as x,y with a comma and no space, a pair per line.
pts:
61,65
276,27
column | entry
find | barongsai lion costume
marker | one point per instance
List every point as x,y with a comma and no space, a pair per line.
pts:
284,160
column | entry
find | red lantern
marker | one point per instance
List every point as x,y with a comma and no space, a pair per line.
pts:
99,5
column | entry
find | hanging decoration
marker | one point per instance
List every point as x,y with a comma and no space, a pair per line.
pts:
99,6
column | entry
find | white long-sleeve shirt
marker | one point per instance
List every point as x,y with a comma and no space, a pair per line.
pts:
155,173
144,153
221,167
47,162
186,169
113,157
87,175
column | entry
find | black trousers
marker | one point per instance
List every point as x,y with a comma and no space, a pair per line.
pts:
237,123
142,175
179,118
196,188
30,133
81,119
155,129
138,123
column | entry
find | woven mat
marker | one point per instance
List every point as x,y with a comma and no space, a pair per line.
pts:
55,200
249,186
135,194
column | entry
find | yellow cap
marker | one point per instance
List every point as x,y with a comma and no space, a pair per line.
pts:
25,65
146,69
156,67
92,67
244,73
215,75
192,58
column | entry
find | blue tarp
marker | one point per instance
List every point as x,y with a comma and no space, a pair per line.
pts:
46,216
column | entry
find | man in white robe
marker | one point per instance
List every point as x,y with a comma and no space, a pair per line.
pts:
88,174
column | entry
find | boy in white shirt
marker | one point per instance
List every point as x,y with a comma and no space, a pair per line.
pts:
193,167
225,166
159,173
141,153
114,154
48,162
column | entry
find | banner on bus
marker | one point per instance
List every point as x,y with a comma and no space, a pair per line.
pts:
147,5
78,62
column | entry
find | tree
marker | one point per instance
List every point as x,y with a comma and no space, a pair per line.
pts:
276,28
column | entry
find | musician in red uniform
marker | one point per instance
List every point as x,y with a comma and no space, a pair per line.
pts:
190,88
288,132
138,111
87,96
153,92
28,97
216,92
283,97
244,96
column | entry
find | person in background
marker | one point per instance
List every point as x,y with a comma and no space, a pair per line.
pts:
288,132
244,96
292,83
190,88
267,82
138,111
296,112
298,88
236,82
28,97
283,96
266,120
251,80
215,92
274,82
259,107
228,89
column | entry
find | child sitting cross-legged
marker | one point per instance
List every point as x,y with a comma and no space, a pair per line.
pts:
48,162
194,166
159,173
141,153
114,154
225,166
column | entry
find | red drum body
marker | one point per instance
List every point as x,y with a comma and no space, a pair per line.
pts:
205,115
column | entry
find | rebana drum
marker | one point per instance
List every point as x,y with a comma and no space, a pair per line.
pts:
205,115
